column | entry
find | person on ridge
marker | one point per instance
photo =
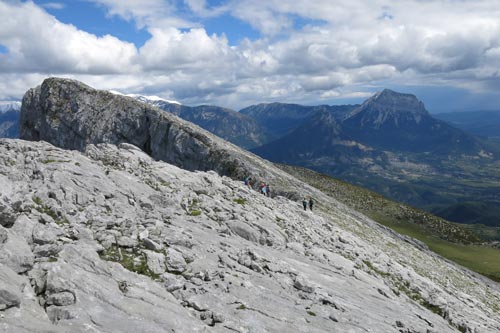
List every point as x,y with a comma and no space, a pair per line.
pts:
248,182
304,203
311,203
261,188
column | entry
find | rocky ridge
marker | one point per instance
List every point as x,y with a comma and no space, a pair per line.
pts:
112,241
71,115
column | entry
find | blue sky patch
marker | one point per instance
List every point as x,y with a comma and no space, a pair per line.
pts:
234,29
94,20
300,22
3,49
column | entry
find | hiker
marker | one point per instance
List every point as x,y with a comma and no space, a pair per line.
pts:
262,188
268,191
304,203
248,182
311,203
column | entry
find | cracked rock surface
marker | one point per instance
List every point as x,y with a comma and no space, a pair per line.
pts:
110,240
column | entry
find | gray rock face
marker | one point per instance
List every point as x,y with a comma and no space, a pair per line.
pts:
10,293
15,252
331,270
64,112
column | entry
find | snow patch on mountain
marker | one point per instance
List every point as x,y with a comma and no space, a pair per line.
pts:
6,106
151,99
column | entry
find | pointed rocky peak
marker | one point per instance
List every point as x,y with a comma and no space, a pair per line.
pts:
396,101
388,105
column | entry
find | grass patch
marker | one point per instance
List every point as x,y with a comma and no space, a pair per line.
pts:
132,260
44,209
195,212
375,269
241,307
311,313
37,200
240,201
47,161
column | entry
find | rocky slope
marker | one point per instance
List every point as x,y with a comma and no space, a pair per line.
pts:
110,240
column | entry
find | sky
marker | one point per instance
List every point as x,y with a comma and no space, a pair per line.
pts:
235,53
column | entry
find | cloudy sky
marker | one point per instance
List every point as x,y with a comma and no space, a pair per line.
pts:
234,53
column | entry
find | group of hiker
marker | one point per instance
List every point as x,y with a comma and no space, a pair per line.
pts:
265,190
263,187
307,201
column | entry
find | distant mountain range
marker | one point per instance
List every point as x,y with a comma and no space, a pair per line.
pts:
392,145
9,119
279,119
482,123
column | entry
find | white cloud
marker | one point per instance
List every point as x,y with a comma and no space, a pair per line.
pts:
307,50
170,49
45,45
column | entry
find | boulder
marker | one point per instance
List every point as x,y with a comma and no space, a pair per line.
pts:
10,288
175,261
16,253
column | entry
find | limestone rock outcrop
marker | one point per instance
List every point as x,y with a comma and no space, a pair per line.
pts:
114,241
71,115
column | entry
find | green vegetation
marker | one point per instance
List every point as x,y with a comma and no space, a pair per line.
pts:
405,288
195,212
47,210
481,259
240,201
193,208
37,200
486,233
47,161
131,259
311,313
375,269
241,307
453,241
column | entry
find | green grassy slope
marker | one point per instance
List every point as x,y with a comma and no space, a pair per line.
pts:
452,241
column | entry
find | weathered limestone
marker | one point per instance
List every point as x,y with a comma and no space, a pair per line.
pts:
15,252
10,290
